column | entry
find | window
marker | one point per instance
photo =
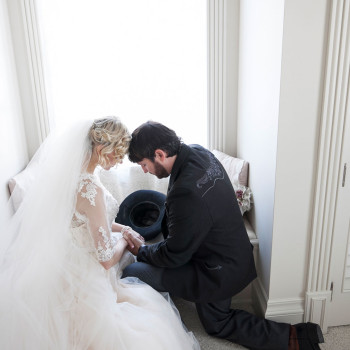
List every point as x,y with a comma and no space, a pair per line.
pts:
137,59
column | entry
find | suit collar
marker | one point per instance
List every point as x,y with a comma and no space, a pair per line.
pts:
180,159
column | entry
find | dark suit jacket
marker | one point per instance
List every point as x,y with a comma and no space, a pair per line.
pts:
206,252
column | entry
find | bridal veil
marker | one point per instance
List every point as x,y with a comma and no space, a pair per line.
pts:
35,274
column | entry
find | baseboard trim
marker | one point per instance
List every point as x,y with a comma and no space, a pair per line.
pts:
285,310
259,297
289,310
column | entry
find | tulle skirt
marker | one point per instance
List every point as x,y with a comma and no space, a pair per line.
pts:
90,309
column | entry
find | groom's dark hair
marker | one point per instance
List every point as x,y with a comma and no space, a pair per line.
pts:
151,136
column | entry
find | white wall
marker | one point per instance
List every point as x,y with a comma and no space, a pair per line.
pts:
303,61
281,64
231,79
13,150
260,48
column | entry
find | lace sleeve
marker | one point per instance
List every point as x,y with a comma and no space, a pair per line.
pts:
91,203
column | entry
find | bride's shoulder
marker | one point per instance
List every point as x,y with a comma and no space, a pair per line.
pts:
87,177
89,187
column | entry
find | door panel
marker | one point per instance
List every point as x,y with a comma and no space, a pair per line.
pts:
339,277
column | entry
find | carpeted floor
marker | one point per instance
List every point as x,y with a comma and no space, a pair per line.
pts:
337,338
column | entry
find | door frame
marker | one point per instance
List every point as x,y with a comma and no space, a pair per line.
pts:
336,80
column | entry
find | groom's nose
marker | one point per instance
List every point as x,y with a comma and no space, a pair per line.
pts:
145,170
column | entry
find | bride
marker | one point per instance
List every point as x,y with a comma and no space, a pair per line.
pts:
62,255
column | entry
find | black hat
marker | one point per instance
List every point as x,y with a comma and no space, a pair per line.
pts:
143,211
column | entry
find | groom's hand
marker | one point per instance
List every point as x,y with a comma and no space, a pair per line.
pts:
130,235
135,246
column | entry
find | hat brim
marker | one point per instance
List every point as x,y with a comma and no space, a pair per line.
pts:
143,211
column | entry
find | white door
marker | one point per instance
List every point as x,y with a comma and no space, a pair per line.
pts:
339,273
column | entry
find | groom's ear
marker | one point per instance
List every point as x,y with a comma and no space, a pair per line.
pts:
160,155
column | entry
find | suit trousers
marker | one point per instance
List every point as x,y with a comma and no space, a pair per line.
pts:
242,327
219,320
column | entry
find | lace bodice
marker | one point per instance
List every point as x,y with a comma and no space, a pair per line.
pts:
94,214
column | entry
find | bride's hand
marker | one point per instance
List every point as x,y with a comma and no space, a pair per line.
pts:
131,236
136,244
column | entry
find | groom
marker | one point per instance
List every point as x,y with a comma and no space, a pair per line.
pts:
206,256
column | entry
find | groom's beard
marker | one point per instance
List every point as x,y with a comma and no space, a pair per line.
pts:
160,171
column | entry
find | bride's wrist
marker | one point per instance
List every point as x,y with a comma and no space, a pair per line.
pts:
125,229
123,242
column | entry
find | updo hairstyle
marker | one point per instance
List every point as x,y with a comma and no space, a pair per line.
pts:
113,135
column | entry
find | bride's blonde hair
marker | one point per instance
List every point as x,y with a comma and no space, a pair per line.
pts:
113,135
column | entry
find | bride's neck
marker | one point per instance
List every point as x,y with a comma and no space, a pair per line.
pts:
93,163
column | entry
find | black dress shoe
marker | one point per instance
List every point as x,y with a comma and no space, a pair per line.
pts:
309,336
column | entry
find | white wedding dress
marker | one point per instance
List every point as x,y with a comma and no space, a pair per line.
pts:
54,293
110,313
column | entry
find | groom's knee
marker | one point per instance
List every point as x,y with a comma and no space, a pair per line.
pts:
131,270
143,271
146,273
